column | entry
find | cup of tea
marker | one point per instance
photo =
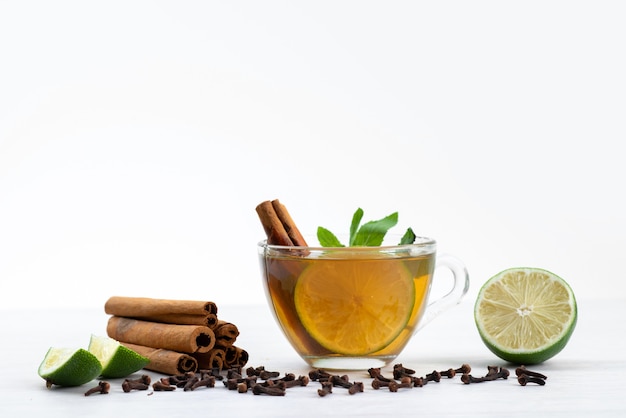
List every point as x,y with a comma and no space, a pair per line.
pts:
352,308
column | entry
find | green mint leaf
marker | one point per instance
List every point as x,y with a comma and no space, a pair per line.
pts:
372,233
408,237
354,226
327,238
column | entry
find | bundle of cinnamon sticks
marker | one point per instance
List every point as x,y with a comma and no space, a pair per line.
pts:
178,336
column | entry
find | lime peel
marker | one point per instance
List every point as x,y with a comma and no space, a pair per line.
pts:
117,360
69,367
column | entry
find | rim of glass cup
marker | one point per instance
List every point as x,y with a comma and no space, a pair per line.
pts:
420,242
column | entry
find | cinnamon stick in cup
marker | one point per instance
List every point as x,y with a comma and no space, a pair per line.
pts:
288,223
181,338
182,312
165,361
278,224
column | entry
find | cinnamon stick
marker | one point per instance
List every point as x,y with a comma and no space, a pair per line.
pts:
181,338
235,357
274,229
226,334
165,361
213,359
288,223
278,224
181,312
222,358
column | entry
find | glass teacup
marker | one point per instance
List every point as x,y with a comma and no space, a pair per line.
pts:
353,308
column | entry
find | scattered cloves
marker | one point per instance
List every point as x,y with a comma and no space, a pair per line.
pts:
273,385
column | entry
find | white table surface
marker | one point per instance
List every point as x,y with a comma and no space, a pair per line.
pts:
585,379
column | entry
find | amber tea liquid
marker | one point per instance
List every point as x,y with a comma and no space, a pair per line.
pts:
362,307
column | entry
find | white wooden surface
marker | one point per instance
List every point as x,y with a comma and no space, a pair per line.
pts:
586,379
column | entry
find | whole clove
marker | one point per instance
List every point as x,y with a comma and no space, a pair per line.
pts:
524,380
102,387
161,386
319,375
208,382
327,388
130,385
493,373
268,390
523,370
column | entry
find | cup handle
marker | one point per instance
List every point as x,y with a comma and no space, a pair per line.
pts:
454,296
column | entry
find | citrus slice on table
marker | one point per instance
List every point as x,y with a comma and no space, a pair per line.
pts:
355,308
525,315
117,360
69,367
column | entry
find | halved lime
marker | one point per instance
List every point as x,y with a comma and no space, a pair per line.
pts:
525,315
117,360
69,367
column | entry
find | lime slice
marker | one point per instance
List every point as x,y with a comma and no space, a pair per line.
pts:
117,360
525,315
69,367
355,307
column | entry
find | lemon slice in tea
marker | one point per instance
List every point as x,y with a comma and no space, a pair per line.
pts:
69,367
355,307
525,315
117,360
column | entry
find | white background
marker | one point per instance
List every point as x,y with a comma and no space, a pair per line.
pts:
136,138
